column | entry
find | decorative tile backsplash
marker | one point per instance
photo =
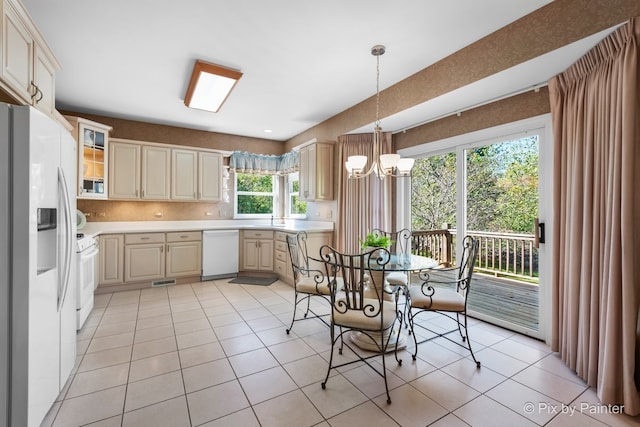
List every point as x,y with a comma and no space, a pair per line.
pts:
114,210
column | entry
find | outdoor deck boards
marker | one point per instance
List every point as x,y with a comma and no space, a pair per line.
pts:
509,300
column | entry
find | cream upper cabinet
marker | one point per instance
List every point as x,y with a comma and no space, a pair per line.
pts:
153,171
156,172
184,174
209,176
45,76
124,170
316,172
28,65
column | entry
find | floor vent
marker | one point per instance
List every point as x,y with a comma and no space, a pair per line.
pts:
164,282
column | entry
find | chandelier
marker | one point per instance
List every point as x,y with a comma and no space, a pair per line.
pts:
383,164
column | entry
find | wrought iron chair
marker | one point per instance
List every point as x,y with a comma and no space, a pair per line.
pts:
445,291
307,282
365,307
401,243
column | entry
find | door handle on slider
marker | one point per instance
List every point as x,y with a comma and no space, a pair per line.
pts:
539,232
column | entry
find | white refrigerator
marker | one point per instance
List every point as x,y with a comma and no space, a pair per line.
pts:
37,263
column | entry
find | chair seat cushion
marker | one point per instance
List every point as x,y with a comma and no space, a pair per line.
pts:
396,278
357,319
308,285
442,299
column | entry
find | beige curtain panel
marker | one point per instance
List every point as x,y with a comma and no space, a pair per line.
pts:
596,268
361,202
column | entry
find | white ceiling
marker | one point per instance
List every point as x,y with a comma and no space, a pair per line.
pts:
303,61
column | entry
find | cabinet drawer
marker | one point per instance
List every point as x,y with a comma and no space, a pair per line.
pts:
281,236
281,256
184,236
258,234
143,238
281,268
281,246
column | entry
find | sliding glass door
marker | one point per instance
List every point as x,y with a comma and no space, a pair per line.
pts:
494,187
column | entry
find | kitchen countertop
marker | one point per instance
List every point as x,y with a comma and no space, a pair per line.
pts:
92,229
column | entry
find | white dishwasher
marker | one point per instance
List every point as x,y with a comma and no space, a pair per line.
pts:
220,252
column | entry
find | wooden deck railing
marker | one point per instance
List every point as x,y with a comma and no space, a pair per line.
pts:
436,244
501,254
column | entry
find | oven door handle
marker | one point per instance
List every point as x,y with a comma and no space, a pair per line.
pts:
90,253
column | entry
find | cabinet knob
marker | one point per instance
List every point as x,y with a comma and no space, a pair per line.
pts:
184,237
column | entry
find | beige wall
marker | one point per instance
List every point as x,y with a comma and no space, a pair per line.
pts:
509,110
142,131
559,23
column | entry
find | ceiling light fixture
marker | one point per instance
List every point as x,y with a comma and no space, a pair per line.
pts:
383,164
209,86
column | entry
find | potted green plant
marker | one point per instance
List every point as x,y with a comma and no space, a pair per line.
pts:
375,240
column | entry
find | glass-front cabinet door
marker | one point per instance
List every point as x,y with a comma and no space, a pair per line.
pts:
93,151
93,162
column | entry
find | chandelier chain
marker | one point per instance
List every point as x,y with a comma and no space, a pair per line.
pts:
382,164
377,90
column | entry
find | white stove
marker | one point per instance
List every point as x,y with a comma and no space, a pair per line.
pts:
87,276
85,242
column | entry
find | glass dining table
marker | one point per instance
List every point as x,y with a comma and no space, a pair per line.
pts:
407,263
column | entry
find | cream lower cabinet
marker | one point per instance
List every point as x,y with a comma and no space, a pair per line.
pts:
257,250
184,254
282,261
111,269
315,240
144,257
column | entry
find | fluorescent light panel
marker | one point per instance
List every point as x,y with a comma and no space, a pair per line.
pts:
209,86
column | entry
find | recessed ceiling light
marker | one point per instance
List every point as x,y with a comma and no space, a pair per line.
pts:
209,86
268,131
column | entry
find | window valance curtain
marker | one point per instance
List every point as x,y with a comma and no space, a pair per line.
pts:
244,162
595,106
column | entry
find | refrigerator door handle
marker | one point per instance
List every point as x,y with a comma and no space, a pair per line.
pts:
62,292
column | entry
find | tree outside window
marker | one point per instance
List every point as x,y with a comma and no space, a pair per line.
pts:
255,195
295,207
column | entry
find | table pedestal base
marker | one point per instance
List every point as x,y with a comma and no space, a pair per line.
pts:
365,343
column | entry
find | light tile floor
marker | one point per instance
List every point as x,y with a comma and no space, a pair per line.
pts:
216,354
